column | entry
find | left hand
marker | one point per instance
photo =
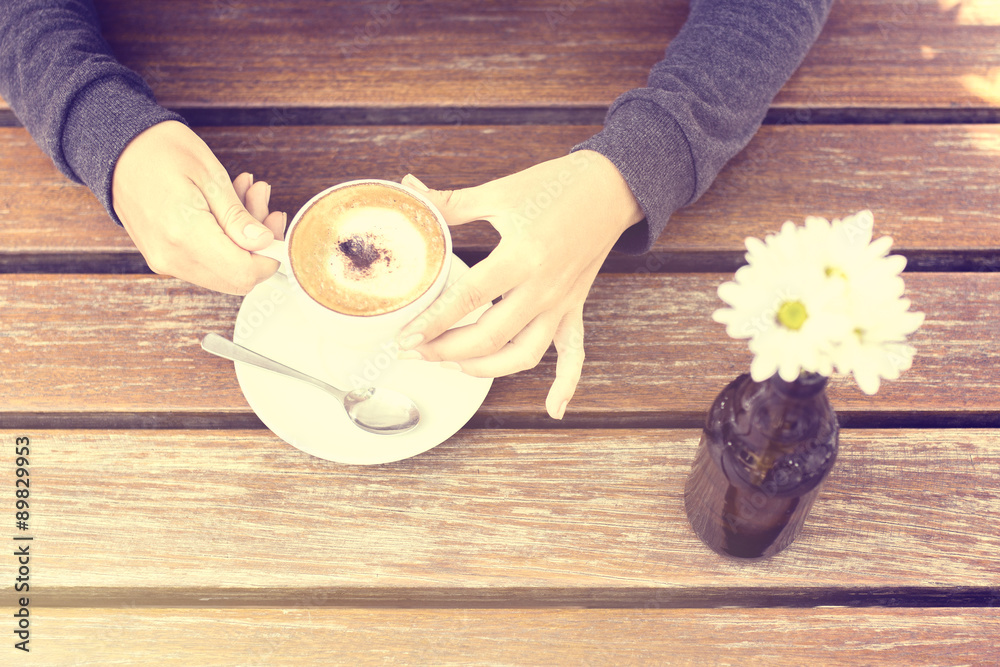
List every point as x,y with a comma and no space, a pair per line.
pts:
558,221
188,220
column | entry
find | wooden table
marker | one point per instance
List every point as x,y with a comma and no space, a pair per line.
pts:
170,527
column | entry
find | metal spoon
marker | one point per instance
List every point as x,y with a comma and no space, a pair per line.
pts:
381,411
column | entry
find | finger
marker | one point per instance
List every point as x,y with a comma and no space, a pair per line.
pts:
523,352
241,184
257,201
233,275
276,221
497,327
568,340
237,223
461,206
208,258
484,282
257,197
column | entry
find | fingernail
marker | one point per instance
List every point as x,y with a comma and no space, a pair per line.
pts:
268,193
450,366
416,182
410,355
251,179
411,341
254,232
562,410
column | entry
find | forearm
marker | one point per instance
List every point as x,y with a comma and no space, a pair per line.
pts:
704,101
60,78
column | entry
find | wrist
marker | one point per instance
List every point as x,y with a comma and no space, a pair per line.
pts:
105,116
145,150
622,207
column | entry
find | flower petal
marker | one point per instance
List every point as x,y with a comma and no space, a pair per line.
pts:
848,289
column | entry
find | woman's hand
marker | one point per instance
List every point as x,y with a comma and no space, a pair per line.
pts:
187,219
558,221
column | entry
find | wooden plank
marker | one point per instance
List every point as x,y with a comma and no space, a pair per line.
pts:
552,54
932,188
492,517
69,359
462,637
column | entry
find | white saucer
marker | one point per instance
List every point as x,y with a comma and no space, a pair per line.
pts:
315,422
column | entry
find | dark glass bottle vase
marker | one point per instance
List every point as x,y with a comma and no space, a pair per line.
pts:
764,451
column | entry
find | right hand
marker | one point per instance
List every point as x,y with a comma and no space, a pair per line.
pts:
547,259
187,219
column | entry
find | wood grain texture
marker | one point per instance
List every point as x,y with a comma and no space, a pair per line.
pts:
549,53
229,637
933,189
127,347
492,516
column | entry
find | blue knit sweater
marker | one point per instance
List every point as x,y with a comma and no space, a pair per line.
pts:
703,101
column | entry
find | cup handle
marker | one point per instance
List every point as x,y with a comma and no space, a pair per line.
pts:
278,251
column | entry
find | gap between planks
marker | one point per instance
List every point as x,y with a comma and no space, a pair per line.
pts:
624,420
521,598
131,262
544,115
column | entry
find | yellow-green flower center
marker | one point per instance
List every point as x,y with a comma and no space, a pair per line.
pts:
792,315
835,272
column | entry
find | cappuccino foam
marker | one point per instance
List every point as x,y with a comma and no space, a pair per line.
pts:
367,249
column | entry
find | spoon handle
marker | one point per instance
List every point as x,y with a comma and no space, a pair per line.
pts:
227,349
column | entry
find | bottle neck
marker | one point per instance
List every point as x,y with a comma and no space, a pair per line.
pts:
806,385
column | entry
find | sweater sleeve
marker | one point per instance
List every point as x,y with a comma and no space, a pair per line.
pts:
703,102
63,83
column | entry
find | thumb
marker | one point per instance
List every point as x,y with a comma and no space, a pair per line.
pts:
458,206
236,221
568,340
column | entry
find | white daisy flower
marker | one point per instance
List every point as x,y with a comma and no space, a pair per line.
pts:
821,296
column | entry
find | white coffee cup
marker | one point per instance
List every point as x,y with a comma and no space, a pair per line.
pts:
352,330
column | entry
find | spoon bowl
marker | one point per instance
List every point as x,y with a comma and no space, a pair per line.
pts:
380,411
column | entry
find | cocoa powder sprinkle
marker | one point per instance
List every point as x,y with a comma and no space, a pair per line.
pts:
363,252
